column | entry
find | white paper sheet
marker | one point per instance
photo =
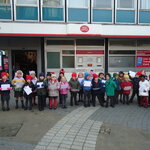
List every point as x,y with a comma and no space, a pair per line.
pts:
87,83
19,84
132,74
127,88
28,90
64,86
5,86
40,85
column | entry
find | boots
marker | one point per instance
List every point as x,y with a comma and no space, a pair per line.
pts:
16,104
22,104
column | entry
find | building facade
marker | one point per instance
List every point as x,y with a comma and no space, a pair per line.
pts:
77,35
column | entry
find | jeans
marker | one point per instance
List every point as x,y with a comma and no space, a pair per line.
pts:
63,98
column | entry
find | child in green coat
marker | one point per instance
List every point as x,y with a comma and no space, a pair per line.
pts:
110,90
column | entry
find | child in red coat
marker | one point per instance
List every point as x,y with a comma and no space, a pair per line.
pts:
126,86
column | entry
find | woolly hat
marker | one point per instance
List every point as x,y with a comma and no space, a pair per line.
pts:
53,75
48,74
19,71
28,77
4,74
62,71
115,74
108,74
95,76
121,72
126,76
142,76
74,74
31,72
42,74
140,72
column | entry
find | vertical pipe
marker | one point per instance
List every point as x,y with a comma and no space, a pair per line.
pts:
106,55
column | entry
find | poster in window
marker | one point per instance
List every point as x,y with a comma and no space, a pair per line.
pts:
143,61
0,61
6,65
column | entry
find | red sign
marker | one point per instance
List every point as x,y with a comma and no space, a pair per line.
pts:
6,65
84,28
143,52
143,61
90,52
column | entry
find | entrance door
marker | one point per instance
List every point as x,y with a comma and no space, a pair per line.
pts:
25,60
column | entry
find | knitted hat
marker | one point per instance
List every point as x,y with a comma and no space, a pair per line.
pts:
4,74
62,71
126,76
28,77
121,72
31,72
142,76
115,74
48,74
108,74
74,74
42,74
95,76
19,71
53,75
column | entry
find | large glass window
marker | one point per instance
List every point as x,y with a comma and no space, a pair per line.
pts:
78,3
102,3
33,2
4,2
125,3
144,4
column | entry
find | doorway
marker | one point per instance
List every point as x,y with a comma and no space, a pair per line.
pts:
25,60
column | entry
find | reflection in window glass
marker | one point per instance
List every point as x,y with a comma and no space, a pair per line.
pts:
68,61
34,2
53,3
4,1
102,3
145,4
125,3
121,61
78,3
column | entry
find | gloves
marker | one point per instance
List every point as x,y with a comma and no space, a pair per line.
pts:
10,88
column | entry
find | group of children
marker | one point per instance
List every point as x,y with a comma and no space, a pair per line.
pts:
87,87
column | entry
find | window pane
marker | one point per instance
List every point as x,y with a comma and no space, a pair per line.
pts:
78,3
53,3
68,61
145,4
121,52
125,3
102,3
60,42
4,1
121,61
53,60
34,2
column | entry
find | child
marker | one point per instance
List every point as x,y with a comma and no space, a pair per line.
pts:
28,92
5,93
18,83
80,78
143,91
87,86
110,90
53,86
96,87
41,91
126,87
48,77
34,80
64,87
74,88
118,88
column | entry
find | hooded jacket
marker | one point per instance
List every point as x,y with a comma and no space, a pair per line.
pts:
86,83
110,86
144,88
74,85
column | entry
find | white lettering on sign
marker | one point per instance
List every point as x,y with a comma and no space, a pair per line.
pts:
84,28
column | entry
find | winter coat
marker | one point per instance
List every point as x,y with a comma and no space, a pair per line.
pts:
118,88
103,85
135,82
86,82
64,87
41,90
74,85
126,87
96,87
7,92
110,87
53,88
144,88
31,85
18,83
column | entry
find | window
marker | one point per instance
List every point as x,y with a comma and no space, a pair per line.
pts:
4,2
102,3
60,42
125,3
144,4
33,2
121,61
91,42
68,61
53,3
78,3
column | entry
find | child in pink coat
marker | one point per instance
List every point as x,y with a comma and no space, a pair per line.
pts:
64,87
